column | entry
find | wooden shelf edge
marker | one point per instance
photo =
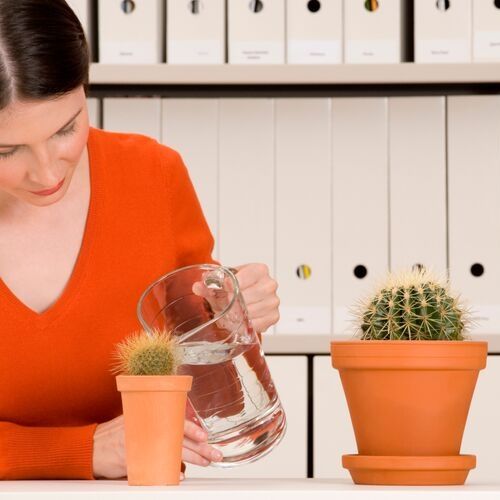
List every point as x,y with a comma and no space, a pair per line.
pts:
278,343
342,74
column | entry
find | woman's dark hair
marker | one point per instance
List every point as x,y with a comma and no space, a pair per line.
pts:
43,50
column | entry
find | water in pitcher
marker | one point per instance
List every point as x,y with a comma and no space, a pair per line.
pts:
241,410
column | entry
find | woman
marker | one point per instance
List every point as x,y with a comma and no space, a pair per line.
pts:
88,219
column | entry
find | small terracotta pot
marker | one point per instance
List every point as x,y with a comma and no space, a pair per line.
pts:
408,398
154,408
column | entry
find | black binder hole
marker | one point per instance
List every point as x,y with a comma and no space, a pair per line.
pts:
360,271
371,5
256,5
313,5
477,270
195,6
443,5
497,4
128,6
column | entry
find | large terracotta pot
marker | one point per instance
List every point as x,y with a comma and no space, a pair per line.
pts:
408,399
154,409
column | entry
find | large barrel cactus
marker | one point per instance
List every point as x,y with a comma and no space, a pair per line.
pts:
155,353
413,305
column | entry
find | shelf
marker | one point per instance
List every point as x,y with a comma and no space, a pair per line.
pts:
342,74
244,489
273,343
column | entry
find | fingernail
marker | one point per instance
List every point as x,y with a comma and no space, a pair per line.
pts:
217,456
201,435
182,476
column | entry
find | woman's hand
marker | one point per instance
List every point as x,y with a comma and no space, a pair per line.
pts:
259,292
109,448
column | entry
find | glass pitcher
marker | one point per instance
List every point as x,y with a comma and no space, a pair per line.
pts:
233,396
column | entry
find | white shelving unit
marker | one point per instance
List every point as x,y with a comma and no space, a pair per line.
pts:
365,75
342,74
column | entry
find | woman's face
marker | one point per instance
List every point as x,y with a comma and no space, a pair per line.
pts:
41,144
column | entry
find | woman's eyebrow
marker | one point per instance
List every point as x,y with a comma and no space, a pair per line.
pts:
70,120
62,128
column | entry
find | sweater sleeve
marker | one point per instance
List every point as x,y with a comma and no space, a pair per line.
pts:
46,452
194,242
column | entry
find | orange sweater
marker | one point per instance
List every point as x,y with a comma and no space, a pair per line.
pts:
55,381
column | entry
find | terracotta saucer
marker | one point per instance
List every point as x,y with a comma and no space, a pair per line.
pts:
407,470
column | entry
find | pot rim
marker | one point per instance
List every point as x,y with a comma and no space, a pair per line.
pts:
409,354
154,383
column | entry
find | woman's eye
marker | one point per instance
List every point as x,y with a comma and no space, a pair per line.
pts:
66,131
8,154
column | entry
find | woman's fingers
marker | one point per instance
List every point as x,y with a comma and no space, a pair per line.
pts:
192,457
194,431
266,307
196,450
199,453
218,299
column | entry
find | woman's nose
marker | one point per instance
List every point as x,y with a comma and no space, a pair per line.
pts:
43,171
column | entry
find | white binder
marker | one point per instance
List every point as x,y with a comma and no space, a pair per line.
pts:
133,115
443,31
333,435
314,31
94,111
360,203
486,30
474,205
373,31
190,126
131,31
417,154
246,181
303,215
482,425
196,31
256,31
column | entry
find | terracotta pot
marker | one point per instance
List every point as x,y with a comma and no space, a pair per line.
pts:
154,409
408,398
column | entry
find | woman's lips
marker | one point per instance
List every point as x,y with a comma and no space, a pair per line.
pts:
48,192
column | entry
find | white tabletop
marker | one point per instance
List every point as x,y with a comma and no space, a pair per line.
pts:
240,489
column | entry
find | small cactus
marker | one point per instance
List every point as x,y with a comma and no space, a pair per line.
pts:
154,353
413,305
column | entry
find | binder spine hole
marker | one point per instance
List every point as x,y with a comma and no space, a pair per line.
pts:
303,272
195,6
477,270
256,5
371,5
314,5
128,6
360,271
443,5
497,4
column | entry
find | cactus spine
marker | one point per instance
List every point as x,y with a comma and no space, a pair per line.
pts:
413,306
155,353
